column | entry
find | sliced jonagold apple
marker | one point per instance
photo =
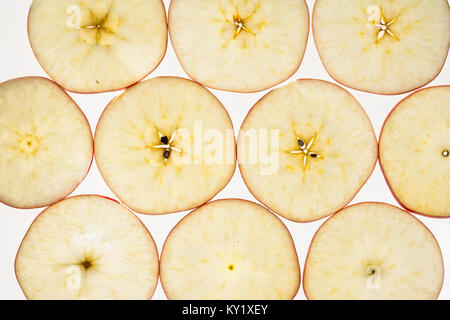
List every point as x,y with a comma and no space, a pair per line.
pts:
373,251
98,45
306,149
230,249
46,145
239,45
382,46
87,247
415,151
165,145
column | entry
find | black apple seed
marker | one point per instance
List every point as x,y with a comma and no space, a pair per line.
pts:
165,140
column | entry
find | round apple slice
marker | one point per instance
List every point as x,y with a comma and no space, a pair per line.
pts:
306,149
165,145
241,46
87,247
415,152
385,47
90,46
230,249
373,251
46,144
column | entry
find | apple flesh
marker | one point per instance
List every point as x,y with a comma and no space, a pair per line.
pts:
46,144
90,46
241,46
87,247
165,145
385,47
306,149
414,151
230,249
373,251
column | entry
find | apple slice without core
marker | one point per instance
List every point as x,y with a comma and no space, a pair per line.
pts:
382,46
306,149
239,45
373,251
230,249
90,46
87,247
415,151
46,144
165,145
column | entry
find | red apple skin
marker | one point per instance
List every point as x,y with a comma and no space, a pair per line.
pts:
315,234
373,168
235,199
381,165
88,169
171,212
113,90
250,91
340,82
81,196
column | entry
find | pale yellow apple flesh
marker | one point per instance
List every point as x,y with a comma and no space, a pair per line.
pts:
131,156
306,182
87,248
98,45
383,46
230,249
46,144
373,251
239,45
415,151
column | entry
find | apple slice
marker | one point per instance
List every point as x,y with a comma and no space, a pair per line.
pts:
237,45
87,247
415,152
385,47
165,145
306,149
373,251
46,144
230,249
91,46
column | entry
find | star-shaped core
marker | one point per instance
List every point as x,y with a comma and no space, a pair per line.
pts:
240,25
305,150
383,26
166,145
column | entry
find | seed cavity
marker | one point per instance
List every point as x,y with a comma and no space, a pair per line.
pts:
445,153
166,145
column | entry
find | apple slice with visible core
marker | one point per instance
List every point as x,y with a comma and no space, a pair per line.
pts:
239,45
165,145
230,249
415,149
385,47
87,247
306,149
46,144
373,251
91,46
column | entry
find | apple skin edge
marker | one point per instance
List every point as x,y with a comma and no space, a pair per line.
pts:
235,199
381,165
406,212
82,196
367,91
371,173
105,91
250,91
92,159
171,212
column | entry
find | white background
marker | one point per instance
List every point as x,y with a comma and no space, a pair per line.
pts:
17,60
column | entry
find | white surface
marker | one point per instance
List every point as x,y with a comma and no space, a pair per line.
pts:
17,60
